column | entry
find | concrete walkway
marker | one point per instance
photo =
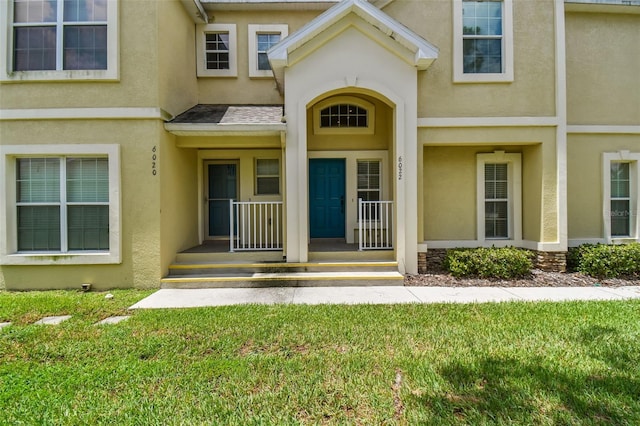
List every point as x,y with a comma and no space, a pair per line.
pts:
191,298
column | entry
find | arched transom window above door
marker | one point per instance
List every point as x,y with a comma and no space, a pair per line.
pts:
344,115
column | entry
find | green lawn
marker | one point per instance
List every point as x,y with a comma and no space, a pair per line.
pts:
513,363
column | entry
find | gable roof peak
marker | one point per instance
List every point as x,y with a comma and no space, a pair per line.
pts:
425,52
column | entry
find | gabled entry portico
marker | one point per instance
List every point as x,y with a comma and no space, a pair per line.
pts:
355,49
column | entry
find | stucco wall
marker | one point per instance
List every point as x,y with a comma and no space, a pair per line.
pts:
449,188
585,180
178,88
242,89
603,64
178,172
449,180
532,93
246,174
138,85
140,204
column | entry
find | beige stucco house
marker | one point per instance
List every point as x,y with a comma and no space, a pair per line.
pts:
220,142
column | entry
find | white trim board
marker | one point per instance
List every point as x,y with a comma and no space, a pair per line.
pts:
561,129
452,244
84,114
602,129
580,241
546,121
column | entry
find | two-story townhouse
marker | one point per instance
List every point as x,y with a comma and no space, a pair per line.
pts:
204,142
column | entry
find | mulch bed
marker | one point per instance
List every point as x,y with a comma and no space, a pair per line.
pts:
537,278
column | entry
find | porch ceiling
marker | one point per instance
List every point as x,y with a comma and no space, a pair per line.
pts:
228,120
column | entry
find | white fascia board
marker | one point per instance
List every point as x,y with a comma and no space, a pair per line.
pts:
425,51
210,129
425,54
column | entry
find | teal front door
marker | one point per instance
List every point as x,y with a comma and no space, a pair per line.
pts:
326,198
222,183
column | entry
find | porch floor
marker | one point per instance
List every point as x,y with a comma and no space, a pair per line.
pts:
316,245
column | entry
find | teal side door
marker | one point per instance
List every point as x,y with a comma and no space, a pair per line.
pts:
326,198
223,186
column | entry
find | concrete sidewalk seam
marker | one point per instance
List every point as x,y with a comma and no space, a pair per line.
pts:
508,290
418,300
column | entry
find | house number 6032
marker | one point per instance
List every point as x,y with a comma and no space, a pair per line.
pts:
154,160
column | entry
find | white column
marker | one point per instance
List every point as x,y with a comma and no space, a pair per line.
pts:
296,184
410,179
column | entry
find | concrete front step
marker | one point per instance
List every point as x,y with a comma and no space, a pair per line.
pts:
278,267
286,279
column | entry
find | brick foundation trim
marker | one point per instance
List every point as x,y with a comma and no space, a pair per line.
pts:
549,261
431,260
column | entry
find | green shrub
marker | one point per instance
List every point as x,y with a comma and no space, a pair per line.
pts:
504,263
608,261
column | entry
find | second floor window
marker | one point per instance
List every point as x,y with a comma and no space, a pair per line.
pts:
59,35
217,50
483,41
482,36
263,37
265,42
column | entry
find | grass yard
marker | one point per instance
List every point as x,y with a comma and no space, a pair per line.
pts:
513,363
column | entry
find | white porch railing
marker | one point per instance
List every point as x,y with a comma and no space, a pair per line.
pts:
255,225
375,222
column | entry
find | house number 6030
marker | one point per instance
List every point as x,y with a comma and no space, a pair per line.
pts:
154,158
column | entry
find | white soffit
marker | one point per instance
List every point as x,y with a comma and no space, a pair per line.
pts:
195,9
424,52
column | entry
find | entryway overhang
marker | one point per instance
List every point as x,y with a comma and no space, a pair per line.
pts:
353,49
400,40
223,121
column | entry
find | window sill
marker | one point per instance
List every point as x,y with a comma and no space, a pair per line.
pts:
261,75
483,78
216,74
623,240
51,258
75,75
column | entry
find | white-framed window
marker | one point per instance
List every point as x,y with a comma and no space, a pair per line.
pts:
60,40
369,186
483,41
267,176
369,182
216,50
344,115
62,204
499,196
621,185
261,39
